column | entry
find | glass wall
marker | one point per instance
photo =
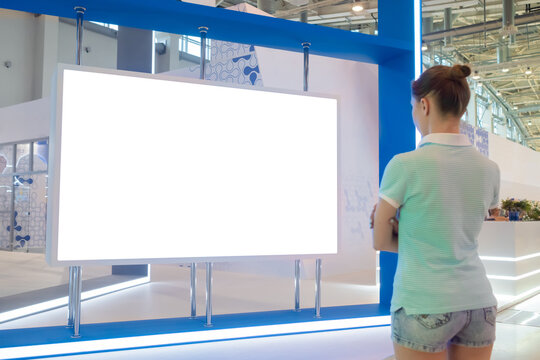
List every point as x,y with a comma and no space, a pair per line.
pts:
486,110
23,196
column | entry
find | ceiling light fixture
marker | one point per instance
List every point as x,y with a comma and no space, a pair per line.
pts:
528,71
424,46
357,7
505,70
498,93
515,107
476,76
529,123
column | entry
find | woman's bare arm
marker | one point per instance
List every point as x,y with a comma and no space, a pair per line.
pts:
385,227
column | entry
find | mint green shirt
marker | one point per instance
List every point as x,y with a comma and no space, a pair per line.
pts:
443,190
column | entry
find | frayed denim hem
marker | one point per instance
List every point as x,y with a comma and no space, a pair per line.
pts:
417,347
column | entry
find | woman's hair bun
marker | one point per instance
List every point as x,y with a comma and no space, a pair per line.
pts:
459,72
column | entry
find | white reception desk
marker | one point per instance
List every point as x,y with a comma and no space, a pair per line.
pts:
510,252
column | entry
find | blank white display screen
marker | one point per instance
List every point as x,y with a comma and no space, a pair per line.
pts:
153,169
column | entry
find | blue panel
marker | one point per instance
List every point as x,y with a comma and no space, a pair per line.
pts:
396,128
61,334
396,135
183,18
396,20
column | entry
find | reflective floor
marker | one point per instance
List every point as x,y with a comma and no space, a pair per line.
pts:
517,335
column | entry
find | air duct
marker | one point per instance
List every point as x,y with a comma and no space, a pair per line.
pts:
508,21
503,54
448,46
427,25
268,6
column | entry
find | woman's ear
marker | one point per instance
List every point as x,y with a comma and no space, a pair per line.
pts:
425,106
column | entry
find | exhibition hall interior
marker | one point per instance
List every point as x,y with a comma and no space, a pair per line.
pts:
195,178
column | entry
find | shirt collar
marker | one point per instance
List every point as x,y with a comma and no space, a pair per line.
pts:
445,139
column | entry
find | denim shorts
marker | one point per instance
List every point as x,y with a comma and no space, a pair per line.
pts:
433,332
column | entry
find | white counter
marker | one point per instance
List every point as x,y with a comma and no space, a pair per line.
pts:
511,254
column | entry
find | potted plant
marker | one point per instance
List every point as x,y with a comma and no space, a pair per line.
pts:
533,213
516,208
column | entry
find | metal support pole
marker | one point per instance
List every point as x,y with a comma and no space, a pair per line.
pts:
12,212
318,288
204,31
209,266
306,46
297,285
75,278
193,290
31,158
77,301
80,13
71,295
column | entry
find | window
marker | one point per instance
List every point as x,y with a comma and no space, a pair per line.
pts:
110,26
192,46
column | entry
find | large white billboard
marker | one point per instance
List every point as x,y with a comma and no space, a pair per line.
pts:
153,169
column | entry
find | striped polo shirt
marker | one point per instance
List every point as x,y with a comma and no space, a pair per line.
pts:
443,190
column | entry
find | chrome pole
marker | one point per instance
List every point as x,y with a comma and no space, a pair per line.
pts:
306,46
12,212
80,13
74,296
77,302
318,288
297,285
204,31
193,290
209,266
71,295
31,158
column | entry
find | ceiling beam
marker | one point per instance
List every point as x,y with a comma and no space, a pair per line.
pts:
479,28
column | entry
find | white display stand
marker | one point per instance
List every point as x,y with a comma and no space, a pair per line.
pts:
510,252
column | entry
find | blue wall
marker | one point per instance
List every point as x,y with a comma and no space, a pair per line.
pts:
396,128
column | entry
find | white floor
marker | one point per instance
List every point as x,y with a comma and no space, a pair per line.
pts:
24,272
168,295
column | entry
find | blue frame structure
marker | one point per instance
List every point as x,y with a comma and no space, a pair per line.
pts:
396,51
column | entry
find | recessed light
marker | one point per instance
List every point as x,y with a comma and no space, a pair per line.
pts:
505,70
357,8
515,108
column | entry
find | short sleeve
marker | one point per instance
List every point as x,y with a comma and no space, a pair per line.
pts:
496,187
393,183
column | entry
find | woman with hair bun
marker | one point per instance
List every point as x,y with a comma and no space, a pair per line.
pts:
443,305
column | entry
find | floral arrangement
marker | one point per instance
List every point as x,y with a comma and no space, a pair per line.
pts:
530,210
533,214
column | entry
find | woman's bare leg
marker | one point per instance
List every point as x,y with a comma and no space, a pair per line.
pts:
458,352
403,353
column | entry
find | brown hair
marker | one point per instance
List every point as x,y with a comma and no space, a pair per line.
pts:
448,85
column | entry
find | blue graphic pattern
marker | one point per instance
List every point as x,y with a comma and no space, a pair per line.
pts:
479,138
233,63
22,240
29,211
19,180
482,141
224,50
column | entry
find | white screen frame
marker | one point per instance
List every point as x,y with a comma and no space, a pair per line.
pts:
55,166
